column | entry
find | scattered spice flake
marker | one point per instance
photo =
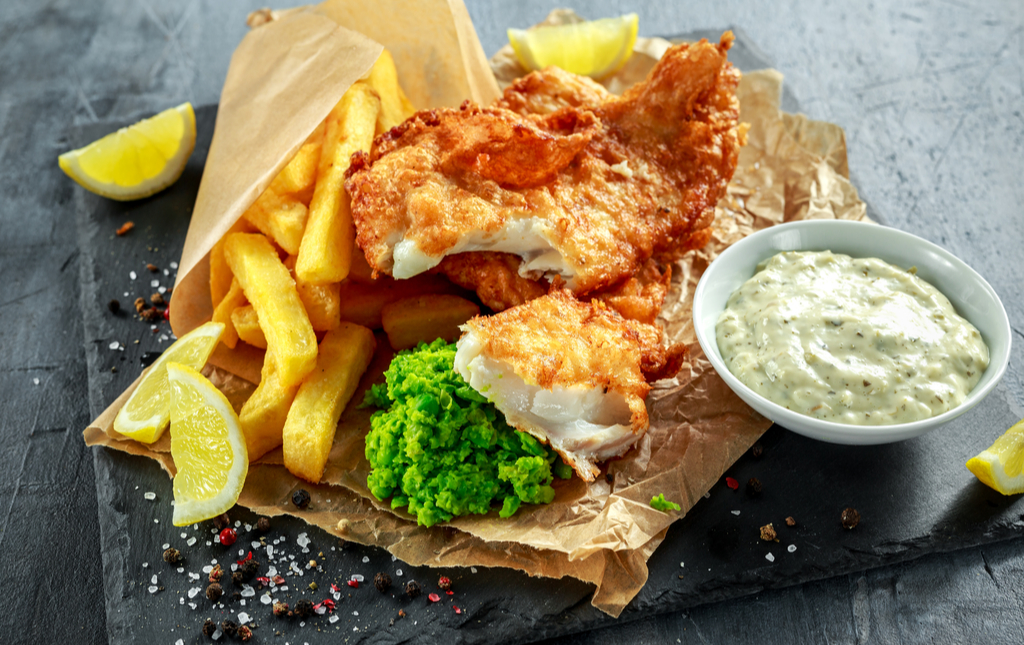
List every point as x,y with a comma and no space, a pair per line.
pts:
353,583
263,581
326,603
450,593
127,226
152,267
457,610
434,597
732,483
335,588
245,559
850,518
768,533
790,521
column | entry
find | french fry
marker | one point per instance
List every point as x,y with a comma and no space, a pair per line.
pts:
298,178
409,321
394,106
263,416
322,301
247,326
280,217
325,252
271,290
345,353
234,299
363,303
220,272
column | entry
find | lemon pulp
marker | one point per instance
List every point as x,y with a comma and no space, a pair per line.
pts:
207,447
1000,465
595,48
136,161
146,414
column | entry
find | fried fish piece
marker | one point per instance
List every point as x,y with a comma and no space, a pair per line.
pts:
580,184
573,374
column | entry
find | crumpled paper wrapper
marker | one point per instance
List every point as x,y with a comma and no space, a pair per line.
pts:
602,533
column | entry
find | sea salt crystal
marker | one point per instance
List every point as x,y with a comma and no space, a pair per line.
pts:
302,540
366,559
193,605
156,521
234,566
166,546
213,561
682,565
769,557
35,381
181,601
132,275
114,345
471,570
271,572
153,579
193,576
333,619
248,527
355,629
294,567
321,610
208,543
149,496
735,512
207,569
180,569
337,595
191,541
791,548
357,577
355,613
216,539
255,544
184,535
707,495
266,600
162,289
270,551
167,272
284,538
247,591
398,572
238,523
153,589
145,565
179,642
284,588
174,265
154,283
243,618
217,634
193,592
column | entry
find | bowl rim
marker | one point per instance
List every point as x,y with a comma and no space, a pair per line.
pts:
832,431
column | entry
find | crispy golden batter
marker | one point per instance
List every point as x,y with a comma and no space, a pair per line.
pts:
579,183
494,276
573,350
641,296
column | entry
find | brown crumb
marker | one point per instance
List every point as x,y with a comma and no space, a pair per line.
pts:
263,525
401,613
850,518
216,573
140,305
127,226
157,299
790,521
152,267
768,533
151,315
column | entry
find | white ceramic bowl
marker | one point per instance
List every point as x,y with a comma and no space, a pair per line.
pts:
971,295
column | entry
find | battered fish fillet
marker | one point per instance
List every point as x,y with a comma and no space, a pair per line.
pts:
578,183
573,374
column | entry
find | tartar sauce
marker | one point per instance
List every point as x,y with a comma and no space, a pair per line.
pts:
855,341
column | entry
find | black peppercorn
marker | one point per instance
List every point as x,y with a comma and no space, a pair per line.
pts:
413,589
757,450
229,627
249,569
754,487
114,306
263,525
238,578
172,556
214,592
382,581
209,627
300,498
304,608
850,518
222,521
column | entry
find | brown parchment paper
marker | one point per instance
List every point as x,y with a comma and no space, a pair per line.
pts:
602,533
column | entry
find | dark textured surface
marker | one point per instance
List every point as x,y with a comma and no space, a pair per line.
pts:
930,95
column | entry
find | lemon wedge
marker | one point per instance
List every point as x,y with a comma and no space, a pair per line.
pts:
1000,465
136,161
595,48
207,446
146,414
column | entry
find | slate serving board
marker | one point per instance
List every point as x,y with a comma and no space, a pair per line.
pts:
914,497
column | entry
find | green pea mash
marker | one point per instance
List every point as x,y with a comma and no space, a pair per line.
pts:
439,448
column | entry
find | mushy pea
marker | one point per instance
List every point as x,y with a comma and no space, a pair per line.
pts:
439,448
856,341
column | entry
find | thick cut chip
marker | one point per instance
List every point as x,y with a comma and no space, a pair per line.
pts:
234,299
207,447
326,250
298,178
280,217
345,353
271,290
263,415
363,303
247,326
322,301
146,414
411,321
394,106
220,272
